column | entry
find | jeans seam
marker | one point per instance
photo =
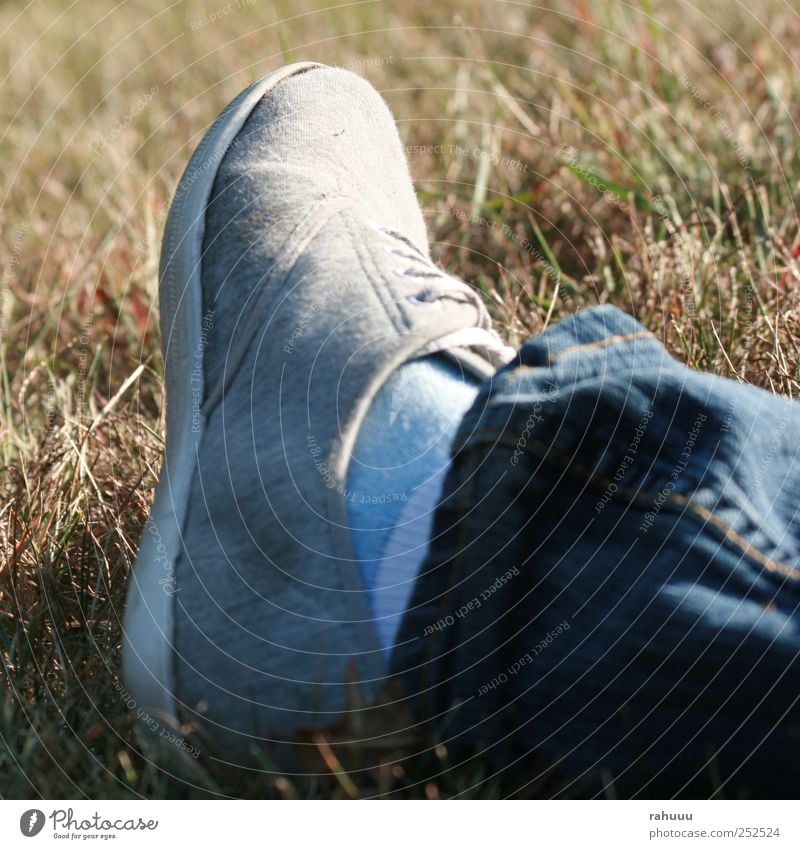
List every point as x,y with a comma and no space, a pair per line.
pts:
577,470
617,340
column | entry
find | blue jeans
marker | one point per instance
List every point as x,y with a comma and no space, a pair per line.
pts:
613,577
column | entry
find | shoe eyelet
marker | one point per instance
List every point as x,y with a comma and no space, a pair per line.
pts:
422,302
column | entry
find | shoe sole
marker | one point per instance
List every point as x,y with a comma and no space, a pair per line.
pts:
147,644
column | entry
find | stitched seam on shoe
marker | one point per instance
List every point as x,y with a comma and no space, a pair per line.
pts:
550,455
363,249
267,288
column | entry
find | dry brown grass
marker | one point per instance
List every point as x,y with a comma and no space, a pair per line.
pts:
608,180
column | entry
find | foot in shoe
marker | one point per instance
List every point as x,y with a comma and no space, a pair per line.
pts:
295,279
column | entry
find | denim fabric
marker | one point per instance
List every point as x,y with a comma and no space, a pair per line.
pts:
613,577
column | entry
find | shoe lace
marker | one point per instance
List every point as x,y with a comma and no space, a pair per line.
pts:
436,286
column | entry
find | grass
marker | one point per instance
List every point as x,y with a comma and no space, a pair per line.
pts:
566,154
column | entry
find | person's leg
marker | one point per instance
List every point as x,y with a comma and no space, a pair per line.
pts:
401,456
295,281
614,574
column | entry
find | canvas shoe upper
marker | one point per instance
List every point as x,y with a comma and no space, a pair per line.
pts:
295,279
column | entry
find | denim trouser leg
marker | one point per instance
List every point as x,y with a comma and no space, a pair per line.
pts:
614,573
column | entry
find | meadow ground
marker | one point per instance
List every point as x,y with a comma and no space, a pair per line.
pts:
566,154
